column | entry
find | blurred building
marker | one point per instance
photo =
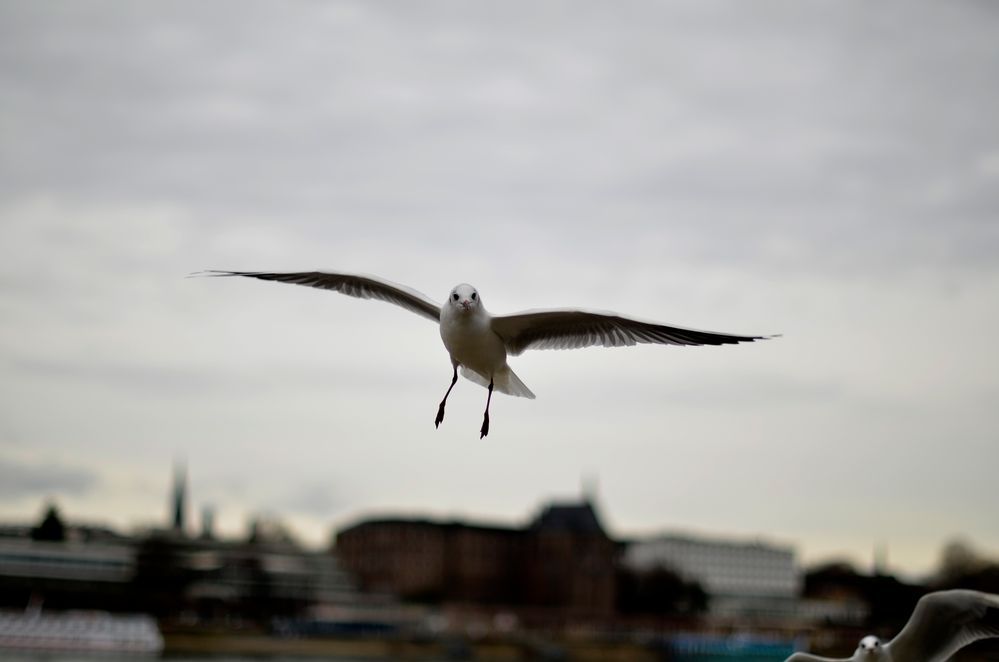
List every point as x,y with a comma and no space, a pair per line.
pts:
569,560
88,567
263,576
168,571
743,580
563,559
560,566
226,580
428,561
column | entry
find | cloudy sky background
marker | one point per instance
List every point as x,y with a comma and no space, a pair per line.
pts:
825,170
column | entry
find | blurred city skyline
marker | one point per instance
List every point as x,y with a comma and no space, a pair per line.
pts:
828,171
184,515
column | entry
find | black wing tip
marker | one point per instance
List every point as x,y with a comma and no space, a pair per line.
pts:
736,340
755,338
219,273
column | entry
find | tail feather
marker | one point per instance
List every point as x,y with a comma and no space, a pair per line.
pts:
504,381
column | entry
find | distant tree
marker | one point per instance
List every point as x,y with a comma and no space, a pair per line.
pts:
833,579
161,576
51,527
890,602
962,567
268,530
958,559
659,591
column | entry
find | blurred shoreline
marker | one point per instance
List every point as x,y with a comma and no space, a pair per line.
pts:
192,644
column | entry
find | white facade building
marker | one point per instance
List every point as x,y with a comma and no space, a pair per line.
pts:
742,579
73,560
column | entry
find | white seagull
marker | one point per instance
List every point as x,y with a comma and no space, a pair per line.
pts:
941,624
479,342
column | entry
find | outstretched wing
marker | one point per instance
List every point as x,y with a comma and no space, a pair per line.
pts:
944,622
570,329
355,285
808,657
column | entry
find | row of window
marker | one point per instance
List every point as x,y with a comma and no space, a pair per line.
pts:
77,561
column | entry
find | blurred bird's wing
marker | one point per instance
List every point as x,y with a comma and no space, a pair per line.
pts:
944,622
361,286
808,657
570,329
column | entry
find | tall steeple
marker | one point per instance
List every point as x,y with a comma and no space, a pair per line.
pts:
178,498
590,483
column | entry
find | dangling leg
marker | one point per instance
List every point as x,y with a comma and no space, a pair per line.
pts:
485,419
440,410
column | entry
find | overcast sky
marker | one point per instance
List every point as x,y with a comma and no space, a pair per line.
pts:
824,170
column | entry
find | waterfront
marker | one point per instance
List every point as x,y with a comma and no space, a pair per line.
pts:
69,657
221,648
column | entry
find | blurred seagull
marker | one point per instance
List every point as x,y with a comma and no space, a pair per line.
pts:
479,342
941,624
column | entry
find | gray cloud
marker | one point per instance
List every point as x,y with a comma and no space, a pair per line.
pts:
315,498
176,381
375,114
19,480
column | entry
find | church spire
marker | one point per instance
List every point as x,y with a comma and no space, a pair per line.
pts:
178,498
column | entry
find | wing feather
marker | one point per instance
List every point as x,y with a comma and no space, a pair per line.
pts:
571,329
944,622
361,286
808,657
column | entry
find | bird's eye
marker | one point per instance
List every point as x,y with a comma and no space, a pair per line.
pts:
455,296
474,296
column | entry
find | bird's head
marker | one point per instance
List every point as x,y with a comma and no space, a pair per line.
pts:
870,648
464,298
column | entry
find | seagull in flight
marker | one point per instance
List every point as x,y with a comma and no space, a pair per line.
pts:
941,624
479,343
